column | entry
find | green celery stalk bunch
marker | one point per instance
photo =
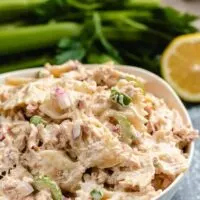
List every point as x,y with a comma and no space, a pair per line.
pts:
133,32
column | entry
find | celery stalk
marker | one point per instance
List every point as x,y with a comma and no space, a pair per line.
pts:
21,39
10,9
35,37
118,14
44,182
143,3
18,5
25,63
128,34
139,26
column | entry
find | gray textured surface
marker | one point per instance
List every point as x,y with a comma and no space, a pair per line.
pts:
190,188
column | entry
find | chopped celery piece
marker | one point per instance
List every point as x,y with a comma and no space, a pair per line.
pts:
96,194
36,119
125,127
44,182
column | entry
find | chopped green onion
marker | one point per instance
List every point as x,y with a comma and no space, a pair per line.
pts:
36,119
44,182
96,195
120,98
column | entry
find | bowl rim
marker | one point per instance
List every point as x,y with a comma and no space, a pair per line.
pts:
179,178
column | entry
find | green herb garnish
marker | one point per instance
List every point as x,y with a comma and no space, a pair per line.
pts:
96,194
119,97
36,119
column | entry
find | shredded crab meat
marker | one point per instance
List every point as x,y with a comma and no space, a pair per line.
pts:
64,125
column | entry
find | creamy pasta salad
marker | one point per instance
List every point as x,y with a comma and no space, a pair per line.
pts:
71,133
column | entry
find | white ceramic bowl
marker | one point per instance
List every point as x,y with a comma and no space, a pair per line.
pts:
155,85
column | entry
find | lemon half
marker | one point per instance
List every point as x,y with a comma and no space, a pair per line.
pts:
180,66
